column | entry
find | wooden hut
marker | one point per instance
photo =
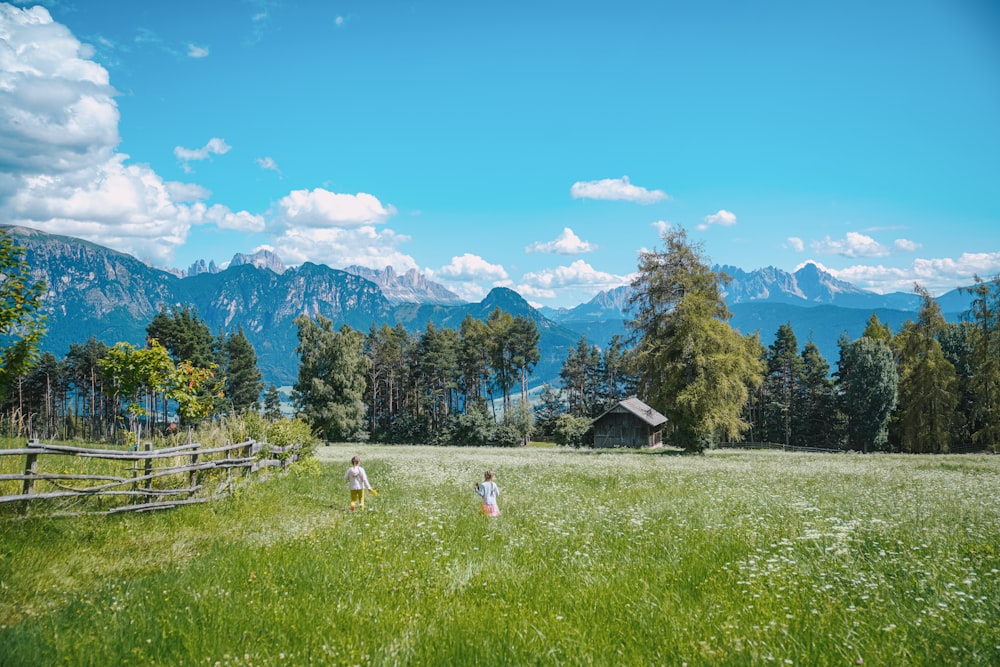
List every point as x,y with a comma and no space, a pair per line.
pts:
629,423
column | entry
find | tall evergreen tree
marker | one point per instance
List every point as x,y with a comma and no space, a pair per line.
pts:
866,381
985,343
185,336
818,422
272,403
331,380
243,378
782,386
693,367
928,383
956,344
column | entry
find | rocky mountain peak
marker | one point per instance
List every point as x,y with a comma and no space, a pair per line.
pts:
262,259
410,287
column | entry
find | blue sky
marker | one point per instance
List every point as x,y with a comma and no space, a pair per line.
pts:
534,145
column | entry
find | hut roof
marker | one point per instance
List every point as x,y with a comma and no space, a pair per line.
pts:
637,408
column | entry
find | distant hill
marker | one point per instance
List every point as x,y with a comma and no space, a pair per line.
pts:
95,291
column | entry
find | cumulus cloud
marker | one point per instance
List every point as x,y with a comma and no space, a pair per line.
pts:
618,189
854,244
937,275
197,51
795,243
58,140
579,274
472,267
722,217
566,243
321,208
215,146
906,245
57,108
340,247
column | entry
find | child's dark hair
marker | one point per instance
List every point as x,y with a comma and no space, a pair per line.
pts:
488,475
355,460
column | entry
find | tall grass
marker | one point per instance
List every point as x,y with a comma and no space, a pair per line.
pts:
600,558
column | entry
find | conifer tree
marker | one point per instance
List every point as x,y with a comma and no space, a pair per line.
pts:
692,366
928,383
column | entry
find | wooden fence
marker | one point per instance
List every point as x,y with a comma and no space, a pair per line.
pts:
150,479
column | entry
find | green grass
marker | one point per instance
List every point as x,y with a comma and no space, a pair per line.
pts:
600,558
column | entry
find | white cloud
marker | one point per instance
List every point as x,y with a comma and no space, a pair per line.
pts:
339,247
321,208
578,274
795,243
722,217
268,163
937,275
215,146
566,243
471,267
58,140
57,110
906,245
854,244
619,189
197,51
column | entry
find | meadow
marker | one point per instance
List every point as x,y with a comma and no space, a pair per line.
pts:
599,558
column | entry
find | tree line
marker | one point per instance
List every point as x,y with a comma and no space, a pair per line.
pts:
932,386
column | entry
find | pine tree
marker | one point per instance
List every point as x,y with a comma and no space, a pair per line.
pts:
782,386
818,422
272,403
928,383
331,379
985,344
866,381
692,366
243,379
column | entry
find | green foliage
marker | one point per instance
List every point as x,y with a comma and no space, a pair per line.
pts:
243,378
818,422
928,383
867,381
331,383
184,334
782,386
571,430
692,366
985,343
272,403
22,325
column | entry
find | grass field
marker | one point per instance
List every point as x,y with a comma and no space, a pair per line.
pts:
600,558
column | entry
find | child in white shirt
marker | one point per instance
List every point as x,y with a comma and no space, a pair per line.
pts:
357,482
489,492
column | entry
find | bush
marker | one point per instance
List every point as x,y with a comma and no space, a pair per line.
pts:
572,431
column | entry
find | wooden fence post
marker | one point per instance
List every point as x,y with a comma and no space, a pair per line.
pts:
30,468
149,467
193,477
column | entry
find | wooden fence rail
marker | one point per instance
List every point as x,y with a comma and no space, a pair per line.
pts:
176,471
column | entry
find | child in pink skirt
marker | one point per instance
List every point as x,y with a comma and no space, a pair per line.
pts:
489,492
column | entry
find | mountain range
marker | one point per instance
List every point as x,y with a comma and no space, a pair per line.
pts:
95,291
